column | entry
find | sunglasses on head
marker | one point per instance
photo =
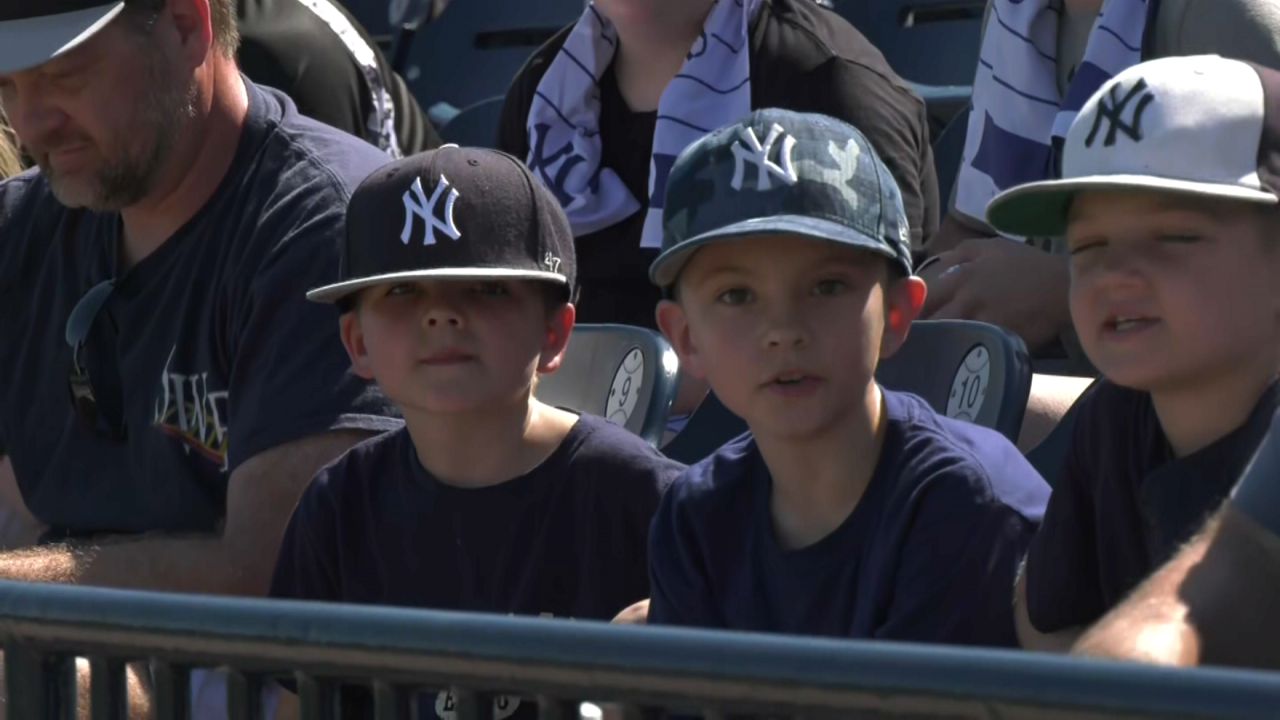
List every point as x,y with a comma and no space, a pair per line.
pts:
98,405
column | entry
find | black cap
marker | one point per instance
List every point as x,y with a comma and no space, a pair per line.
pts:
33,32
779,171
452,214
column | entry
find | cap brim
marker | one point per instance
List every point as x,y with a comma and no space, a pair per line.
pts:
29,42
667,266
337,291
1039,209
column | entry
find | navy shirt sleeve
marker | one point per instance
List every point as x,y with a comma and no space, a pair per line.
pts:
306,567
290,375
955,572
679,590
1063,588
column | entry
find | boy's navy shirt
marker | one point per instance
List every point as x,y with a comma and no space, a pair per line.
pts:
215,349
567,539
1125,504
928,554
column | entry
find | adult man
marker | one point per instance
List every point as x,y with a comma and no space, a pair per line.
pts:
1213,603
163,373
318,53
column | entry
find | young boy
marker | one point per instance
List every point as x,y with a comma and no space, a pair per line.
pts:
1168,203
458,273
847,510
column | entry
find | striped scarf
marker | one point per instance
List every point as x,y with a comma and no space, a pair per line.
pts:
1019,119
712,89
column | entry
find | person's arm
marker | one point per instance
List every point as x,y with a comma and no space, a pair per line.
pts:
260,496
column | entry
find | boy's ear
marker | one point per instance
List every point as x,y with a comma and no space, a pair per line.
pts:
674,324
556,340
903,301
353,340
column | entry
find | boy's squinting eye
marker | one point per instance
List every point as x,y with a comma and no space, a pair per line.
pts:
830,287
1084,247
734,296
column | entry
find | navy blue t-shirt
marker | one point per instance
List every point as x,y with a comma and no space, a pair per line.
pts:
210,340
928,554
568,539
1125,504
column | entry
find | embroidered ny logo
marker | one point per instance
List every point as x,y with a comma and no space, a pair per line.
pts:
417,205
1112,109
749,150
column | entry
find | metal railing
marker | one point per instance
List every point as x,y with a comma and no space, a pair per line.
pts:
399,654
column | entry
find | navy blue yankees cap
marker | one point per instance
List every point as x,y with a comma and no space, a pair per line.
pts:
779,171
452,214
33,32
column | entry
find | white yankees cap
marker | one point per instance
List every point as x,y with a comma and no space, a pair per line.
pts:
1198,125
33,32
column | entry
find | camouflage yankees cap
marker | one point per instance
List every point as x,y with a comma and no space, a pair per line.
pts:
778,171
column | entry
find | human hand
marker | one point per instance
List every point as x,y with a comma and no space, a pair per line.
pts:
1001,282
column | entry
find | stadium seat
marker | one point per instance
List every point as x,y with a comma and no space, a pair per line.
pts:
475,47
932,42
474,126
966,370
622,373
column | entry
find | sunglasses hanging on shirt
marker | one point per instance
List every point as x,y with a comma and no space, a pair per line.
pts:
94,379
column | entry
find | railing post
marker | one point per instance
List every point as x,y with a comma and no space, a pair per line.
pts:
107,689
244,696
30,695
171,691
315,697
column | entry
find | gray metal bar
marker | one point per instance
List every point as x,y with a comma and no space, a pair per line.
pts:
648,666
24,682
170,690
106,688
244,696
315,697
65,689
551,708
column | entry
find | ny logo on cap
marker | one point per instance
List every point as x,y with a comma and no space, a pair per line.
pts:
749,150
417,205
1112,108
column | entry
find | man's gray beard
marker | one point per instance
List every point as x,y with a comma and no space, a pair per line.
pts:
128,178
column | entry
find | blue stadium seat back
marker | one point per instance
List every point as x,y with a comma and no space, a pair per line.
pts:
1050,456
475,126
710,426
965,370
948,151
934,42
624,374
474,48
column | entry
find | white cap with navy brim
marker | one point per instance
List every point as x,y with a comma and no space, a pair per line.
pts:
1196,125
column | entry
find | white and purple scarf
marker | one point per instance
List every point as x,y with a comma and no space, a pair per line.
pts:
713,89
1018,116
